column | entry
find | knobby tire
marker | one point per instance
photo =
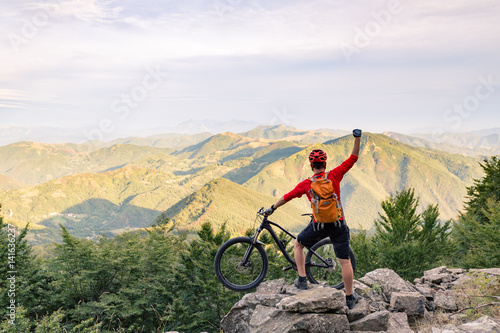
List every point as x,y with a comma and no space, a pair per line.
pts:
229,269
316,270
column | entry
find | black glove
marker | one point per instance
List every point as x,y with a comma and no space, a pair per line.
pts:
356,133
269,211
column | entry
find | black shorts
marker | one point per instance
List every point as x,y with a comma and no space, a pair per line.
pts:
338,235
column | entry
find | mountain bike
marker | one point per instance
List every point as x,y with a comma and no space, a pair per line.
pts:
241,263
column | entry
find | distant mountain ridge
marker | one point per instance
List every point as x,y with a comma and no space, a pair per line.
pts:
384,167
93,189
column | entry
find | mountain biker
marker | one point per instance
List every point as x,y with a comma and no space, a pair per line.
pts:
314,232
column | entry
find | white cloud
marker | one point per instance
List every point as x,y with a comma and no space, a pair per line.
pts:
251,51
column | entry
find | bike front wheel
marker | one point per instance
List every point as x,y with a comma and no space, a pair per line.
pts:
236,273
318,271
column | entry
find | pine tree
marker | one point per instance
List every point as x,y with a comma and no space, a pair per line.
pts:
200,299
407,242
476,233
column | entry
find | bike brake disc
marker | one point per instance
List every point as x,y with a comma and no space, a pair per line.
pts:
332,265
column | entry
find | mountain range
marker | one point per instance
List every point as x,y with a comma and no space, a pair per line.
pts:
96,188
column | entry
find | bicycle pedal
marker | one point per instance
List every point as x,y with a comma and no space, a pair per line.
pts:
287,268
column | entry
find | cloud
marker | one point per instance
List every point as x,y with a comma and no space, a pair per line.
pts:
238,55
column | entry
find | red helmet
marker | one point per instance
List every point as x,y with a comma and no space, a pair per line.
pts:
317,156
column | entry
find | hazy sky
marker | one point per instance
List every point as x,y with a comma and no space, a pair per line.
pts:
377,65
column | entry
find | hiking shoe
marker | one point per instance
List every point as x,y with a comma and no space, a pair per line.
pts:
302,285
351,303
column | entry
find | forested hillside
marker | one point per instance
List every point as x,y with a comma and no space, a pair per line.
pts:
384,166
110,189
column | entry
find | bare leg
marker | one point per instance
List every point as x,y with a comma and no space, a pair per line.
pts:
300,260
347,275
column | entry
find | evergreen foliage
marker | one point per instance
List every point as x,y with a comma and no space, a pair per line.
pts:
476,233
405,241
147,281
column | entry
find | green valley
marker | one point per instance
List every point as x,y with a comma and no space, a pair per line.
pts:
224,178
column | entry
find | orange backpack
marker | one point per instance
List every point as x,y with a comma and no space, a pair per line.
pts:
324,202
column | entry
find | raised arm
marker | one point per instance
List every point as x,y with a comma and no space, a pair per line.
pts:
357,141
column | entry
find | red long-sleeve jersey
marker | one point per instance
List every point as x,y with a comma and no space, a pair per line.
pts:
335,175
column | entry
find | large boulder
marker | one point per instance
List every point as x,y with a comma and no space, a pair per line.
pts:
272,320
314,301
268,294
484,324
398,323
445,301
376,322
411,303
387,281
277,306
362,309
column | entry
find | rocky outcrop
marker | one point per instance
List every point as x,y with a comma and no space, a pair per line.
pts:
388,304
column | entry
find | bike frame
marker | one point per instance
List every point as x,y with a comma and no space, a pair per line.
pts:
267,225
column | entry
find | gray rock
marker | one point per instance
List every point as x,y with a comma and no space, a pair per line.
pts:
444,300
425,290
484,324
438,278
377,321
360,288
273,287
276,321
437,270
398,323
388,281
457,271
314,300
411,303
362,309
236,320
379,306
292,290
489,271
262,315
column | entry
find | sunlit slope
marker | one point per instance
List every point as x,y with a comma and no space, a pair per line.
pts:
385,166
34,163
93,203
7,183
281,132
222,201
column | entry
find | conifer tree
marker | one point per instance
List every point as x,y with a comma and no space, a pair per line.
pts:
476,233
407,242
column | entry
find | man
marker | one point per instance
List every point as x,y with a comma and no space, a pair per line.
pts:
314,232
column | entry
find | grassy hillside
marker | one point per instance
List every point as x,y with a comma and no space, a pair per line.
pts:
479,147
222,201
89,204
176,141
7,183
127,186
141,183
385,166
281,132
34,163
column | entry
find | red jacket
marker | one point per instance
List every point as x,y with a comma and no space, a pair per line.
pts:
334,175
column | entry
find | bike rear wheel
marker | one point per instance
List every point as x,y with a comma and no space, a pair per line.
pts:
318,272
235,274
